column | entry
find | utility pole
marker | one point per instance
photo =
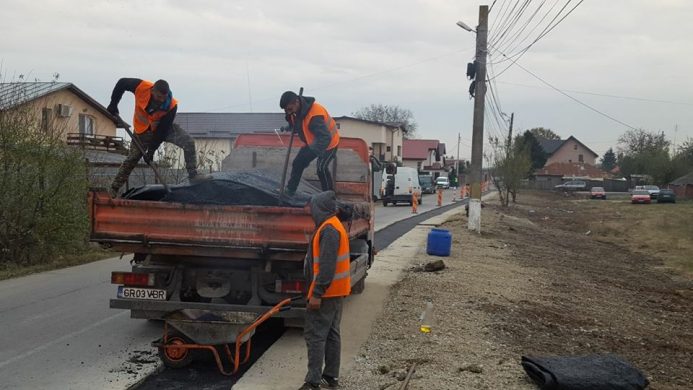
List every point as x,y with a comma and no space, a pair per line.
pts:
510,134
457,164
474,221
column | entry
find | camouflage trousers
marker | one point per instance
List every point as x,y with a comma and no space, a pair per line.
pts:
150,143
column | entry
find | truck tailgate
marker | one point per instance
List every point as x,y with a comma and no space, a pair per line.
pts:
205,230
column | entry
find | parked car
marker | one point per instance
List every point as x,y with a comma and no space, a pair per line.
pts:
427,186
443,182
653,191
666,196
572,185
597,193
640,196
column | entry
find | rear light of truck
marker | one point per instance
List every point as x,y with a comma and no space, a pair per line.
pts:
132,279
290,286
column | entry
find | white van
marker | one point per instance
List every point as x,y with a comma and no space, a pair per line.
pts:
443,182
400,186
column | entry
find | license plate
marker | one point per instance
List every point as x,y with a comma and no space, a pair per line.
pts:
141,293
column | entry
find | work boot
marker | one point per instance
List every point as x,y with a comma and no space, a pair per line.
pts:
199,177
328,382
309,386
289,192
113,192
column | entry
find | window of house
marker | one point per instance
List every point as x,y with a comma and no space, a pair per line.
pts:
574,146
338,127
388,149
399,150
86,124
46,116
580,158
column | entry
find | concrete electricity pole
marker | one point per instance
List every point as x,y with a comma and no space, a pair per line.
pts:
474,221
457,164
510,133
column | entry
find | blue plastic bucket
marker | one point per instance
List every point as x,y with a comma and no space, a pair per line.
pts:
439,242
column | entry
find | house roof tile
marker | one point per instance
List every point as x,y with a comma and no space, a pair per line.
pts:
17,93
419,149
228,124
684,180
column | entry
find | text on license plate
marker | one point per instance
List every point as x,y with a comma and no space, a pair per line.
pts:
141,293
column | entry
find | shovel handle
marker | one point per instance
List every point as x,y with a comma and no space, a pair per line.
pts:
288,154
139,146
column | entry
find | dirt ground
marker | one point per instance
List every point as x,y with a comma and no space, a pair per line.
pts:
534,283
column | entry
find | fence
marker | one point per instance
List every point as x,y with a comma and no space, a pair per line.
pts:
548,183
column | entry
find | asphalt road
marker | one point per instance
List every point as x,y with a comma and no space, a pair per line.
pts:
59,333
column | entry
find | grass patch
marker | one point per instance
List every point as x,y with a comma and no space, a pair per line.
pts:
93,254
662,230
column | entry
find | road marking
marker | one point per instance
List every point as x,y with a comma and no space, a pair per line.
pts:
61,339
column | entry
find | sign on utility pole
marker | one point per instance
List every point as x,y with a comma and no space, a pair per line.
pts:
474,221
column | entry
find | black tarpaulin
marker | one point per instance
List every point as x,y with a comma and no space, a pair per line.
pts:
590,372
249,188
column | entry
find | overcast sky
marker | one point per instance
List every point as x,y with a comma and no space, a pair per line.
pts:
239,56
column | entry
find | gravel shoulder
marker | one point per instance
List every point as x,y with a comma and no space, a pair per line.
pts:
529,285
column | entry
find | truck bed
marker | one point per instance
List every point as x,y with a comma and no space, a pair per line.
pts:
203,230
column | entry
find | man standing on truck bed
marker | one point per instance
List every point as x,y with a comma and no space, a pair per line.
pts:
318,130
155,109
328,273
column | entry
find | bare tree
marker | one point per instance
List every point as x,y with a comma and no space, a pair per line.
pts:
509,165
389,114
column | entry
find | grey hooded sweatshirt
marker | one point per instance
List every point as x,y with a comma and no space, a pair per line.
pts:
322,207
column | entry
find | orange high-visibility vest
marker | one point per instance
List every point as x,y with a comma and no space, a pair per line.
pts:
341,283
318,110
142,120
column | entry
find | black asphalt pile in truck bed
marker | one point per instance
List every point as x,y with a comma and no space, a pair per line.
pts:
248,188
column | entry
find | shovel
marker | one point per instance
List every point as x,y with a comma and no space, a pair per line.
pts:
288,154
139,146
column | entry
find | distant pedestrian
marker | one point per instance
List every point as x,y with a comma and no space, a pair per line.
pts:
318,130
328,275
155,109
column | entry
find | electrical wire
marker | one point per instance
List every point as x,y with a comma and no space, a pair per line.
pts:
541,35
604,94
569,96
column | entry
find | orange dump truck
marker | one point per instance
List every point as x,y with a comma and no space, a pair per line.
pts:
240,258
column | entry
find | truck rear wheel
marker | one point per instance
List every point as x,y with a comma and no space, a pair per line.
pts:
175,357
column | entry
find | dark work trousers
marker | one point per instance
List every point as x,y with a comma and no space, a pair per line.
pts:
301,162
321,332
150,142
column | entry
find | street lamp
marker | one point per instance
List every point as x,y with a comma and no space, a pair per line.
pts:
464,26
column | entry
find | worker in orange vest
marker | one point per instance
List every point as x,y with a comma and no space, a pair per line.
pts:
155,109
328,277
318,130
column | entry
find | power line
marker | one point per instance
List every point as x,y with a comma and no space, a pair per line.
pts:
604,94
513,23
567,95
541,35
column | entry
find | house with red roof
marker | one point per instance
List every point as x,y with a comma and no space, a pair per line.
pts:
426,155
